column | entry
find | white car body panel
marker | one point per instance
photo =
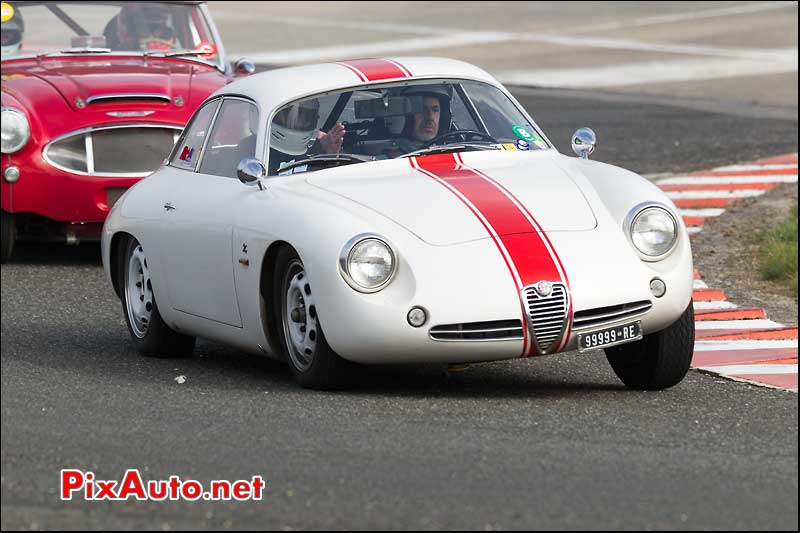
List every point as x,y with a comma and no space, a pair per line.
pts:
427,210
447,262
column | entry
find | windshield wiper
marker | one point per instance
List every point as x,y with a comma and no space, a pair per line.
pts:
75,51
326,158
174,53
444,148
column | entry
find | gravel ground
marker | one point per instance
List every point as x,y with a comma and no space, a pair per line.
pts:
727,253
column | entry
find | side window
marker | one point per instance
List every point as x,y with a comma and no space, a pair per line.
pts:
190,142
233,138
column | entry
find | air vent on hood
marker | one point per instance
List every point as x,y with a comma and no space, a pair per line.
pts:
129,98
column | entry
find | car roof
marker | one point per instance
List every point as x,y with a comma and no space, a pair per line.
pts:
273,88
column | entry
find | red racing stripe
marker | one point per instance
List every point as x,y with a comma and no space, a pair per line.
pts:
376,69
562,275
526,251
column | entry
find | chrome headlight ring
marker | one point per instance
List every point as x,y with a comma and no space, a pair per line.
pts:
16,130
655,209
348,255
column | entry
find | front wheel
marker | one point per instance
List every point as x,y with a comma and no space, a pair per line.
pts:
151,335
313,363
8,234
658,361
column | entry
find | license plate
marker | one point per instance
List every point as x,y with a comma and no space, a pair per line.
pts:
603,338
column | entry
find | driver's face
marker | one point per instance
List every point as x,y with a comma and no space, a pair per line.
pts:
426,124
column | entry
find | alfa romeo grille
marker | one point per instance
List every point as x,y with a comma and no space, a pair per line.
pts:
121,150
547,315
613,313
496,330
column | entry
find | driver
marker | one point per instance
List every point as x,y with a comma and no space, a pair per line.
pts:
143,27
433,121
13,27
294,135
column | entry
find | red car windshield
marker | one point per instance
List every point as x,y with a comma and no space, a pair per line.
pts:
45,27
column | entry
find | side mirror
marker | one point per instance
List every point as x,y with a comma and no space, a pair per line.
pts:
243,67
250,171
583,142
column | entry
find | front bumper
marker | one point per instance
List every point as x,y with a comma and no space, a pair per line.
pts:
602,268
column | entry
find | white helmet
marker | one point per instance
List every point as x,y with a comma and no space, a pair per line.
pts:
294,126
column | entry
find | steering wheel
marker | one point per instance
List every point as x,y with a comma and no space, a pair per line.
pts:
466,135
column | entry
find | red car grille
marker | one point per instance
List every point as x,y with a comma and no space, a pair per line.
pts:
124,151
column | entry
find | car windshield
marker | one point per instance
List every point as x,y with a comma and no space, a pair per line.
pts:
384,122
141,27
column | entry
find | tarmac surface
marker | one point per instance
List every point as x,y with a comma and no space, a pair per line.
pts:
551,443
556,442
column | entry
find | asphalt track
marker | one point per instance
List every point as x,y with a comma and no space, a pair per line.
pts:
549,443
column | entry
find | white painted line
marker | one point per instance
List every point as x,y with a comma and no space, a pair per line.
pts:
725,180
345,51
778,55
694,229
699,284
339,24
751,382
710,212
755,323
745,344
678,17
650,72
745,193
750,168
719,304
751,369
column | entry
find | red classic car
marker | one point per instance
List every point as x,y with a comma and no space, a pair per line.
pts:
94,95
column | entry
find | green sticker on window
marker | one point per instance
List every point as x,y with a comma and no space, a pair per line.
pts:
523,133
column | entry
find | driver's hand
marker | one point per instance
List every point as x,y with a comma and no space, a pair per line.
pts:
331,142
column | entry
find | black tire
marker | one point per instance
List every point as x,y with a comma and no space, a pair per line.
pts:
8,234
658,361
325,370
156,339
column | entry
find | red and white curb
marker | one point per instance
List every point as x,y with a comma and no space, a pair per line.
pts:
730,341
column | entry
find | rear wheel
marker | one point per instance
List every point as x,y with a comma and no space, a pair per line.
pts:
149,332
658,361
313,363
8,233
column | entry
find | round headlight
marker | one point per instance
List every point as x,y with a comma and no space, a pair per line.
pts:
15,130
369,263
654,231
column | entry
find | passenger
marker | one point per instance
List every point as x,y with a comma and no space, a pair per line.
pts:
294,134
141,27
12,30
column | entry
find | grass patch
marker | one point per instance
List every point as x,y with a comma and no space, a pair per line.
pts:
779,253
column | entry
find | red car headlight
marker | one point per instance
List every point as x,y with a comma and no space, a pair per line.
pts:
15,130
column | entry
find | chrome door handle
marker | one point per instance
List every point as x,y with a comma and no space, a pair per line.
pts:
168,206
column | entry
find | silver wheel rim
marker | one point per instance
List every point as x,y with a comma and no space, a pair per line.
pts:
300,321
138,293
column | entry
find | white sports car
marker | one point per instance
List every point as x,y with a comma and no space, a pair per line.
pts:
397,210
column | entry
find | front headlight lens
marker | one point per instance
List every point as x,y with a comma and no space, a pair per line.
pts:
370,263
654,231
15,130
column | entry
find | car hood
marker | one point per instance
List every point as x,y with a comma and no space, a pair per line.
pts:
82,80
442,212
